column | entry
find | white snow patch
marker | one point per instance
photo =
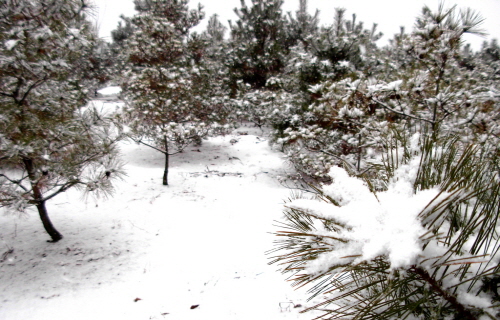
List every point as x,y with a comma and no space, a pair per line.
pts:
110,91
395,85
10,44
386,224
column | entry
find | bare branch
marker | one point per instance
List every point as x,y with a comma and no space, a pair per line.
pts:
16,182
149,145
403,114
62,189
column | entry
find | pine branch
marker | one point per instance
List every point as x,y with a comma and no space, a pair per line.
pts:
16,182
31,87
61,189
433,122
463,312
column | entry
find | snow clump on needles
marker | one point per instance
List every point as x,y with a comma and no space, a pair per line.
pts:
385,224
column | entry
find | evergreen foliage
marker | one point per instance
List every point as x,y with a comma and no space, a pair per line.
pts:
439,261
419,79
49,142
415,127
258,43
325,122
167,87
303,26
122,31
215,30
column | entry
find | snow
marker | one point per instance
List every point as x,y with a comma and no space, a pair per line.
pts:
386,224
392,86
10,44
154,252
110,91
395,85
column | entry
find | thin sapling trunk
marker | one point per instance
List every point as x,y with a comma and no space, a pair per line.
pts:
167,156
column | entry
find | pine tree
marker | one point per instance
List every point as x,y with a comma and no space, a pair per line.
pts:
431,78
215,31
258,43
407,228
303,27
418,242
322,127
346,41
167,87
122,32
215,47
278,95
49,142
116,48
488,62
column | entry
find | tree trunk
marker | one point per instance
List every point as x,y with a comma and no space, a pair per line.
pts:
165,173
47,224
40,203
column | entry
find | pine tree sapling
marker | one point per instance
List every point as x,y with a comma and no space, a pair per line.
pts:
167,87
49,142
258,43
435,86
329,120
303,26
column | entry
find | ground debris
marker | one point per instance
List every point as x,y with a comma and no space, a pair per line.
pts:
6,254
209,173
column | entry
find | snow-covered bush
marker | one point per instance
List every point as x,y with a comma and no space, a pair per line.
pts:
425,246
420,79
320,122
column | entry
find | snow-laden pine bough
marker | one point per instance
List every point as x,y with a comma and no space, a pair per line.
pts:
425,246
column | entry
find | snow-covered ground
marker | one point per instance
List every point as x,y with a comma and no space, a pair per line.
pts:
156,252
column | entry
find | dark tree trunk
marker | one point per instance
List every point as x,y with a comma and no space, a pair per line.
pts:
40,203
47,224
165,173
